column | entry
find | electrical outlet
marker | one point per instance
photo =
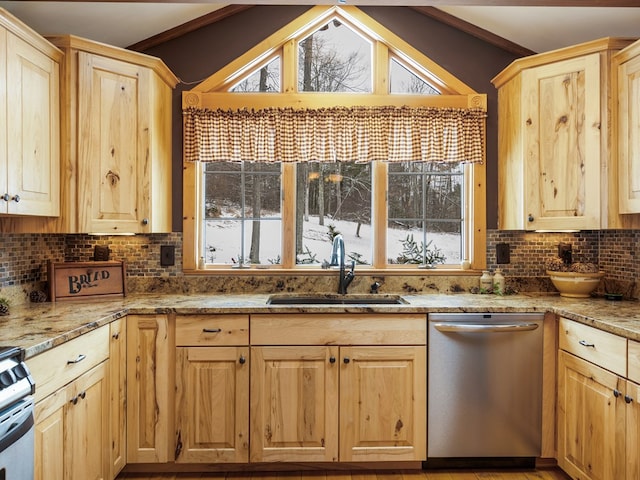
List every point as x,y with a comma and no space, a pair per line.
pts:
167,255
503,253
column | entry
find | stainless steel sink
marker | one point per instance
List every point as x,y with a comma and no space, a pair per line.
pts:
330,299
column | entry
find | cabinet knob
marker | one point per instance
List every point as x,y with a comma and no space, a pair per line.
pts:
116,336
145,221
346,360
5,197
530,218
332,359
16,198
616,393
628,399
242,360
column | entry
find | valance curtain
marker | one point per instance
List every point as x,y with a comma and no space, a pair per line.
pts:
346,134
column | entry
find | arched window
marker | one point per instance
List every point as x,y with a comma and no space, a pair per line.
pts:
316,131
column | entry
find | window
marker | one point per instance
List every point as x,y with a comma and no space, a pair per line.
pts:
393,216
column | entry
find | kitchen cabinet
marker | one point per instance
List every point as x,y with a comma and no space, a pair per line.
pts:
212,389
29,119
592,403
626,68
116,130
117,396
554,137
150,385
72,410
335,372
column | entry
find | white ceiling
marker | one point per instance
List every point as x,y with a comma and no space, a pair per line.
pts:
123,23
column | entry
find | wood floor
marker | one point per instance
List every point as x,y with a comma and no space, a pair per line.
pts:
540,474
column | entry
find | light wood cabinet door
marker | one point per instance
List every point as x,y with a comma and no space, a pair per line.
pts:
591,420
627,64
71,430
383,403
561,115
113,135
294,404
150,384
49,437
117,396
30,178
87,424
212,404
632,399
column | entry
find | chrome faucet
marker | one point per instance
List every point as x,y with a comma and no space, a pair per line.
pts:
337,259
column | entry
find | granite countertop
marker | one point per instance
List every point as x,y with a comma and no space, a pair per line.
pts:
40,326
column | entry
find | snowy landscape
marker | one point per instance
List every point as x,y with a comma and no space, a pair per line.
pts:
225,235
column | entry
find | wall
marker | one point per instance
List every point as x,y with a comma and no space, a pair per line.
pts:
24,265
194,56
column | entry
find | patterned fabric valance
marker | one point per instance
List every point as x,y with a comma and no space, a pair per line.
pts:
346,134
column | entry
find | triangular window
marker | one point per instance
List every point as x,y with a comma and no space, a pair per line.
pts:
334,58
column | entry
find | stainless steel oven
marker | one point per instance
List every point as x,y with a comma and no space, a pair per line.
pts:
16,416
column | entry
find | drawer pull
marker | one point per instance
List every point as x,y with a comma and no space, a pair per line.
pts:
211,330
584,343
80,358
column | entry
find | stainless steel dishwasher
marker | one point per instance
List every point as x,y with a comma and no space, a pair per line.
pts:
484,385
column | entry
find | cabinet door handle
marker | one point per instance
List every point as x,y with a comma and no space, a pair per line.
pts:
346,360
145,221
211,330
242,360
332,359
628,399
116,336
74,400
584,343
16,198
616,393
80,358
5,197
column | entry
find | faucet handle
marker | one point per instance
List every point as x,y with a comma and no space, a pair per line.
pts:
374,287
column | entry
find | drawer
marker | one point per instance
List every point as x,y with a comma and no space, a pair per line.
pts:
212,330
54,368
633,365
602,348
342,329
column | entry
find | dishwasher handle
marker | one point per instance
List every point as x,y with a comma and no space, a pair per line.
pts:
485,327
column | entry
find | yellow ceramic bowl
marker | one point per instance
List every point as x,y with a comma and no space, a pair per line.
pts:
575,284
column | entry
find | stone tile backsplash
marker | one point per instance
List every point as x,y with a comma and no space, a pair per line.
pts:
24,257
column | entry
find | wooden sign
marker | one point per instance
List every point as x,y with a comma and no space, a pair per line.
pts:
84,280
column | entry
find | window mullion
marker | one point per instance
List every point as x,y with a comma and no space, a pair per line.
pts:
288,215
379,213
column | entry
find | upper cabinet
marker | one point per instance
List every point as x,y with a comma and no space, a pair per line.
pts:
626,67
116,130
29,119
554,139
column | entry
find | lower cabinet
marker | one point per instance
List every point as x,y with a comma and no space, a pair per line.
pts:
362,398
212,389
150,385
598,412
72,429
117,396
591,420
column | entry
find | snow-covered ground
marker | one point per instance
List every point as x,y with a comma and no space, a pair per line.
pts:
225,237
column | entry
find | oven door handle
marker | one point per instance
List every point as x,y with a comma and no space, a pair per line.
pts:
484,327
18,429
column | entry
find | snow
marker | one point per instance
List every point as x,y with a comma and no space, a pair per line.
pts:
225,235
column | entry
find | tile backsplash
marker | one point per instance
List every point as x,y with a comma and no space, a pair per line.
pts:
24,257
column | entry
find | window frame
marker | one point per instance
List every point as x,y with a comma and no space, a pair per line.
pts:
214,93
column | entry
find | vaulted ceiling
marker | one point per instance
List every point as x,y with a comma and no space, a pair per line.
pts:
525,25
